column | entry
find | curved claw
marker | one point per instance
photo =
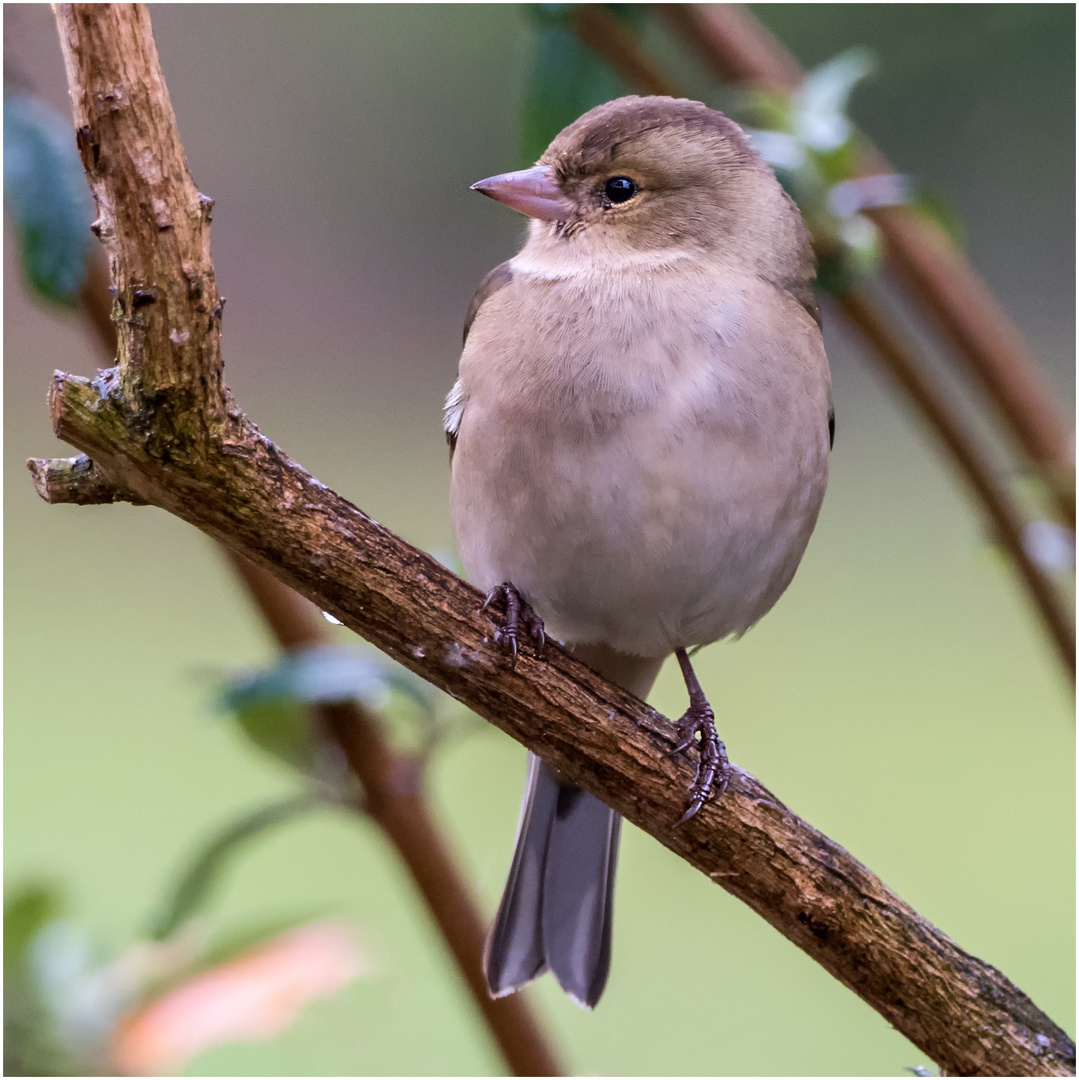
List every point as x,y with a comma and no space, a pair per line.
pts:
692,809
518,612
684,745
713,769
508,633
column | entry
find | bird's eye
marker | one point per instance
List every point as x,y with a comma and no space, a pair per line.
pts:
619,189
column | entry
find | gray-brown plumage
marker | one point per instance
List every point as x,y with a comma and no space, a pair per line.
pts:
641,430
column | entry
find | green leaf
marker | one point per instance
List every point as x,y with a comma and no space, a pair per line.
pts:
282,728
322,673
26,913
195,887
271,706
566,79
33,1045
838,164
46,193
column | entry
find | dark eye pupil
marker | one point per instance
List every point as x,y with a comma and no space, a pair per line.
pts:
620,188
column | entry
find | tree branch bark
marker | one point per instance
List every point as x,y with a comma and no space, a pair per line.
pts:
215,470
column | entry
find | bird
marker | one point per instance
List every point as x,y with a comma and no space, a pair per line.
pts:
639,443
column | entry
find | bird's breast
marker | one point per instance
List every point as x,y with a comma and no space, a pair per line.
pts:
632,458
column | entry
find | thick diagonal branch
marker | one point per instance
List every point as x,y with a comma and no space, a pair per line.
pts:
960,1011
237,486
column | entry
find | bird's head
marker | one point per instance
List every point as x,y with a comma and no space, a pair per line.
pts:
642,180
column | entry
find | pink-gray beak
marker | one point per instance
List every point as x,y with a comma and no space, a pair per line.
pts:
530,191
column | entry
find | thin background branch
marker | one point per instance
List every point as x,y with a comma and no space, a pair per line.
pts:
738,49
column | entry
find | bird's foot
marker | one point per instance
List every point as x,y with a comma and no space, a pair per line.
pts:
713,768
519,617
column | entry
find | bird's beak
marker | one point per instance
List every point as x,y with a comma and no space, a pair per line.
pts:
530,191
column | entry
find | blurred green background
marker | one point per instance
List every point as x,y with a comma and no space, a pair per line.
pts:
901,697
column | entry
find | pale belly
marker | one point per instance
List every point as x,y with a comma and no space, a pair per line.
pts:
654,533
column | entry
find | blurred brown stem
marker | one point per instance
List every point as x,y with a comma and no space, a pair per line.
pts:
899,360
606,35
737,48
394,800
162,426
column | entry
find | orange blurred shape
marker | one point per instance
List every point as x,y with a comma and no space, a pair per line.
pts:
251,998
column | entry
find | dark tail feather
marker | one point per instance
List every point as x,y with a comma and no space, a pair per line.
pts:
578,893
556,909
514,951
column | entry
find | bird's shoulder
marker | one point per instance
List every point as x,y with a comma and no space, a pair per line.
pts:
604,336
496,279
800,290
810,344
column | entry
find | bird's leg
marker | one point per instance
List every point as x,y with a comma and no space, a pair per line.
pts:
713,769
519,614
